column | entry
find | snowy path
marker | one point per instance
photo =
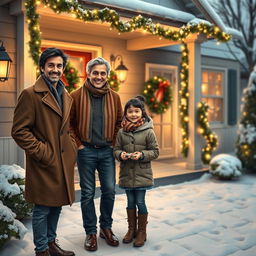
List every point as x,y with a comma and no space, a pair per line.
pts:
200,218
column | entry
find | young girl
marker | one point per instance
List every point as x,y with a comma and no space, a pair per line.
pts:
136,146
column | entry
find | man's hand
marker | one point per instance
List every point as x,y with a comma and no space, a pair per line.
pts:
81,147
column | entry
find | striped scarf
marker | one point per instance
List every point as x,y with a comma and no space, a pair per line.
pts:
129,126
86,113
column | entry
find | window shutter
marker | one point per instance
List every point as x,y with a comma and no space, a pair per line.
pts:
232,97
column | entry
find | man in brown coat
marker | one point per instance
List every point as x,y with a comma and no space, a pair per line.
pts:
96,117
41,128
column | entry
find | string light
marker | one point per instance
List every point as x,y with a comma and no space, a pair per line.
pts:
139,22
206,132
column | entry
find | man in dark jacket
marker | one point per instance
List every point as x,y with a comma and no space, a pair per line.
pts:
96,118
41,128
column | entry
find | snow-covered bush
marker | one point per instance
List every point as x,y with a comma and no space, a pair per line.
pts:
225,166
12,188
246,141
9,226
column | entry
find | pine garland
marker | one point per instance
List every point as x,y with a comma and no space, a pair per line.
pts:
71,75
113,81
206,132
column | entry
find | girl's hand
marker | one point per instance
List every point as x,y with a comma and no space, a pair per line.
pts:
81,147
124,155
136,155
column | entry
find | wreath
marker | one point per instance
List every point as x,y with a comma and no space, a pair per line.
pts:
113,81
71,78
158,94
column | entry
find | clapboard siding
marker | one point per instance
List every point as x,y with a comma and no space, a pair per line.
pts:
8,89
8,151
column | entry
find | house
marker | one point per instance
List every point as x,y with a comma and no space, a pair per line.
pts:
213,73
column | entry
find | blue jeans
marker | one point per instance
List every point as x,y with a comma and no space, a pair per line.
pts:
44,224
89,160
136,198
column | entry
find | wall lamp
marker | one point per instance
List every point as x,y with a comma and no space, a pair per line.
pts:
121,69
5,63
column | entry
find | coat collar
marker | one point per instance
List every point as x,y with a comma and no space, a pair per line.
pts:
48,99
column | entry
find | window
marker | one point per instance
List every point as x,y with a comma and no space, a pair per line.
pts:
212,91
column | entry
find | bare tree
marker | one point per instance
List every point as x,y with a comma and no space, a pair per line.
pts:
241,15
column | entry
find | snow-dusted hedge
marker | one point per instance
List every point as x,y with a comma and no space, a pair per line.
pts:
12,203
9,226
225,166
12,188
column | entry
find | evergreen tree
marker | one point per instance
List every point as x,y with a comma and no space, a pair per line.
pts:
246,143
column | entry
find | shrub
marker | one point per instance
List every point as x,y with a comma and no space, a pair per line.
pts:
225,166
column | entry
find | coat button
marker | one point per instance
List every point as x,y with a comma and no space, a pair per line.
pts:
62,151
61,133
132,142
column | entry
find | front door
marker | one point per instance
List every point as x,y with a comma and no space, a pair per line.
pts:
165,125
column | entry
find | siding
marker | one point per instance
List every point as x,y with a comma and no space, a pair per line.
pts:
8,95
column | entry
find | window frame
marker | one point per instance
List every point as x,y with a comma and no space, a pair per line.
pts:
215,124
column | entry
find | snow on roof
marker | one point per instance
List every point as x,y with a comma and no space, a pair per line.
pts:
172,14
210,13
148,8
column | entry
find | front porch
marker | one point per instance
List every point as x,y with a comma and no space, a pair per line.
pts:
166,171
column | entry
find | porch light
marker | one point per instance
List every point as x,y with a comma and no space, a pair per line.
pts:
5,63
121,70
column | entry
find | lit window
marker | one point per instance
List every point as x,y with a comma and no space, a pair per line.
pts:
212,93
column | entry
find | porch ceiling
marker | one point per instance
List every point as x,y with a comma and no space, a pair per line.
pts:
136,40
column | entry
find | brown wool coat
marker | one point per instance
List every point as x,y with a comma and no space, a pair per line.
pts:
42,130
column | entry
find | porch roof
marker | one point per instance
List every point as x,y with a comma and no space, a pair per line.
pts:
168,15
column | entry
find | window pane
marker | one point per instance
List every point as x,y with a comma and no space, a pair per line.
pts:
212,83
215,112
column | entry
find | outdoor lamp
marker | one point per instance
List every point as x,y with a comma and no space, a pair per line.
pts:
5,63
121,69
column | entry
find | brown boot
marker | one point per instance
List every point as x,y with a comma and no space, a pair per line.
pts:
141,235
43,253
55,250
132,226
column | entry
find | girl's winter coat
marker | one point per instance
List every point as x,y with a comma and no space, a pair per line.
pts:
137,173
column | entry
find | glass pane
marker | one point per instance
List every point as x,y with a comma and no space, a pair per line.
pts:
212,83
215,112
167,136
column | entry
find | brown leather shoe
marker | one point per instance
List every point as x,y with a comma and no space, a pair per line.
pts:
55,250
109,236
43,253
90,243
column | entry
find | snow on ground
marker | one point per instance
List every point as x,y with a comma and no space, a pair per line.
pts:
206,217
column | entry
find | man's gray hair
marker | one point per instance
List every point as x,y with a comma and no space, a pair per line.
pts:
97,61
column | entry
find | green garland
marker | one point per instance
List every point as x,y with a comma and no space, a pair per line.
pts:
71,75
113,81
138,22
158,94
204,129
184,100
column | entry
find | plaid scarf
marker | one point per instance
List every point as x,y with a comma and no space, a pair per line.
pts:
108,109
129,126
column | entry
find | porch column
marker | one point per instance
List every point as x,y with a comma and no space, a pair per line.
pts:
194,88
26,70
